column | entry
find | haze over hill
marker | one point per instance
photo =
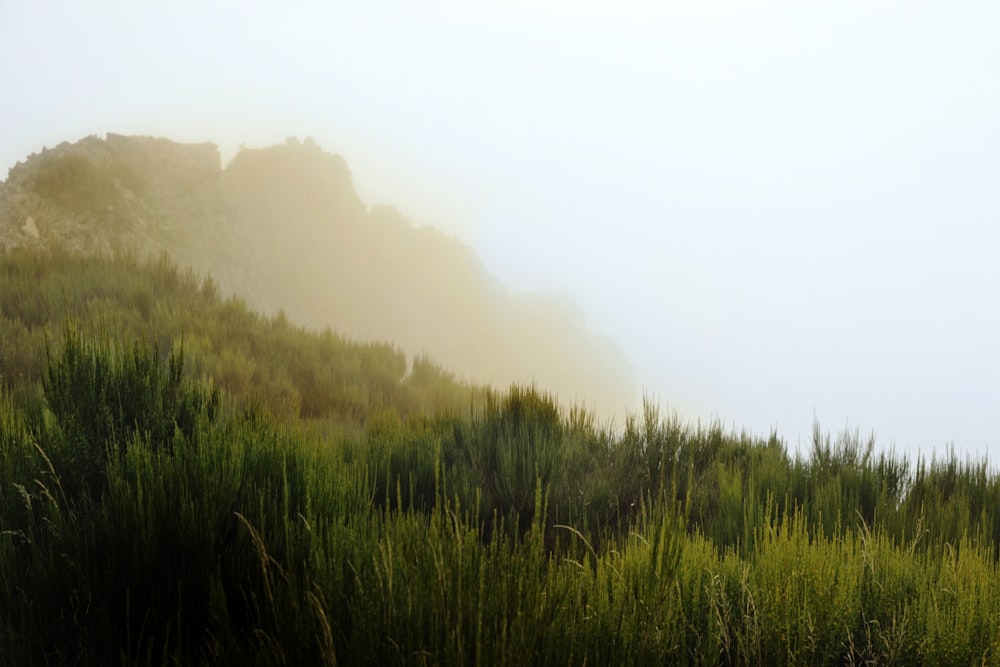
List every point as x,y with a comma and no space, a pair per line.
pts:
284,228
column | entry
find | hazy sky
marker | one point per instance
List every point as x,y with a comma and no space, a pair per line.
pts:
780,210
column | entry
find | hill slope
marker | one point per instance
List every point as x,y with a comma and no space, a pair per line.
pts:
265,362
284,228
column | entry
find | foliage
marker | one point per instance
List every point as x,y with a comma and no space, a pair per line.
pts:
253,360
101,395
330,507
514,444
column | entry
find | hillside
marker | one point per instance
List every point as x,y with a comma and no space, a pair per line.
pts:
267,362
186,481
284,228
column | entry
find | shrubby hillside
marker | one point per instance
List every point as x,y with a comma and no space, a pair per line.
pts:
189,479
184,481
284,229
254,360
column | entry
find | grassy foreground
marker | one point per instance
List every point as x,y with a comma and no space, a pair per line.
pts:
185,482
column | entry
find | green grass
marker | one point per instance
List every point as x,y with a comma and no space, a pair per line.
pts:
183,482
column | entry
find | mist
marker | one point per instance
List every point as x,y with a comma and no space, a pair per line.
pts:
780,213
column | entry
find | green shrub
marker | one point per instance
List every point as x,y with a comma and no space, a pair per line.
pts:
102,394
514,443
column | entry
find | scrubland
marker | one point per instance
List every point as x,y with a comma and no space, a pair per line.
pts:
183,481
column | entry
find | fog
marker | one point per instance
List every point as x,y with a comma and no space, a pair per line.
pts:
781,211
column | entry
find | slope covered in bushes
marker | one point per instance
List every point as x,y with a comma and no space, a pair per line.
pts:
249,357
185,482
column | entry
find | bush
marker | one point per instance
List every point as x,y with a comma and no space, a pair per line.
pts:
103,393
514,444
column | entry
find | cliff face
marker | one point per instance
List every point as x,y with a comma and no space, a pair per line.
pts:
284,228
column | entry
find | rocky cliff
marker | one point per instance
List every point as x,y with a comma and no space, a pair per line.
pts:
284,228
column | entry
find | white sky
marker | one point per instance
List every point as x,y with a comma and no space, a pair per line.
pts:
779,209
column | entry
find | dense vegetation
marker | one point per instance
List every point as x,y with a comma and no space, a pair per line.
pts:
185,482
